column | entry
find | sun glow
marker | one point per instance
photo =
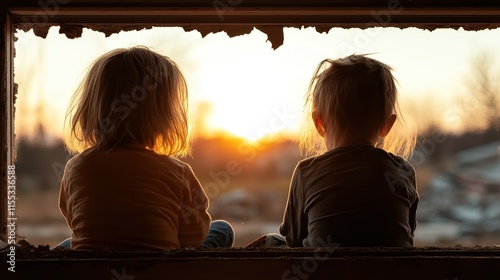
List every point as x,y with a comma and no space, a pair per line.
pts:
246,103
246,86
241,85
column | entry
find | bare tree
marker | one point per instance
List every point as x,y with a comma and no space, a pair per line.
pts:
483,85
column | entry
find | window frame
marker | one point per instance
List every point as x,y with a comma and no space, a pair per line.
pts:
236,17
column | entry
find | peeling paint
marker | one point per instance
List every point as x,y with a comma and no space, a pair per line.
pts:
274,32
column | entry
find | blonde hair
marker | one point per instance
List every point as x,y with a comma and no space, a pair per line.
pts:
130,95
354,96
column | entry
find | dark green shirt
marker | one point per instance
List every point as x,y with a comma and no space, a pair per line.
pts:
352,196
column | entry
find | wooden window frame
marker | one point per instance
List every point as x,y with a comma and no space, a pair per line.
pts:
233,16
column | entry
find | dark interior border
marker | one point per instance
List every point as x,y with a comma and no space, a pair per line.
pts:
236,17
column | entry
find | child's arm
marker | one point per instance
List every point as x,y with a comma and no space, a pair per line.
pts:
63,207
294,226
413,209
194,220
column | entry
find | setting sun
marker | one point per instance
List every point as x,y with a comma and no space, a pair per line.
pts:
244,103
245,87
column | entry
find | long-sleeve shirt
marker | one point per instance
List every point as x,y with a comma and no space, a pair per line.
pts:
132,199
352,196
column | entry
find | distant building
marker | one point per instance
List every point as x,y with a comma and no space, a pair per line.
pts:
480,167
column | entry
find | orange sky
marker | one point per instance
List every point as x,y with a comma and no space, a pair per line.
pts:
242,86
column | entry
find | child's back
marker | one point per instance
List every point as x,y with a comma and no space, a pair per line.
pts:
354,194
132,198
125,190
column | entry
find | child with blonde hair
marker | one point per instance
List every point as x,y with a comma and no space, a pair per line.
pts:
360,191
125,190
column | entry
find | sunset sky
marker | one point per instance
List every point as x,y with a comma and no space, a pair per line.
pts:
242,86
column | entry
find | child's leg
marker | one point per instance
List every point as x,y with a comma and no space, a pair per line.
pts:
66,244
220,235
275,240
268,240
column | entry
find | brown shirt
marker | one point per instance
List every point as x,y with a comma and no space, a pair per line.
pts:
352,196
132,199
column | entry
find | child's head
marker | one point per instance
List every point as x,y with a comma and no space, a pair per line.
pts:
354,100
130,96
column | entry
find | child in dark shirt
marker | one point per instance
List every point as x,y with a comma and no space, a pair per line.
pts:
360,191
125,190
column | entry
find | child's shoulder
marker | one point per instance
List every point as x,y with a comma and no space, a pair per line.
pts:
382,159
169,162
178,163
345,153
399,162
357,154
307,162
128,155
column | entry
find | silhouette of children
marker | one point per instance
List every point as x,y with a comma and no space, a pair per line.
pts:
360,191
125,190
